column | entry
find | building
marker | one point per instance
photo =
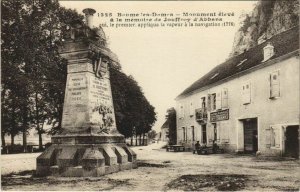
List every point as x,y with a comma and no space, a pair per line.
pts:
165,131
249,103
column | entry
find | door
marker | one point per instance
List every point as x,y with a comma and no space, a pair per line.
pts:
204,136
250,135
292,141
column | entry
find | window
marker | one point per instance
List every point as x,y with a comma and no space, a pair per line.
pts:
203,104
192,111
213,101
193,133
181,112
219,100
241,62
215,132
225,98
246,93
274,85
216,74
204,140
184,134
209,102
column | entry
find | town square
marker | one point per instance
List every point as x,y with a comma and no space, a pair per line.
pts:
150,95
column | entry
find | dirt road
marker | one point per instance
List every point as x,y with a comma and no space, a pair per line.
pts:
160,170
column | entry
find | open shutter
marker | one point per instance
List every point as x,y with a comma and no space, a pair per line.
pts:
274,84
218,100
209,102
277,137
268,137
225,98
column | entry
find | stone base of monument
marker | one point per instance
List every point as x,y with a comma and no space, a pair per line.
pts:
84,160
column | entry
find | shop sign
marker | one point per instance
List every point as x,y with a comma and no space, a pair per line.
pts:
219,115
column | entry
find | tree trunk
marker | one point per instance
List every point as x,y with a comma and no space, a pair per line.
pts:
144,139
25,141
140,139
3,139
40,141
136,140
25,119
38,122
12,139
131,140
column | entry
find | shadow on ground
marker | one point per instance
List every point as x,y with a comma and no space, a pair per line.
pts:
209,182
27,180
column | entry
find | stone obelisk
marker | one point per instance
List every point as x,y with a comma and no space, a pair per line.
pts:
89,143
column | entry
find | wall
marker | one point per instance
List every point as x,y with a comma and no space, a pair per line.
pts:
164,134
283,110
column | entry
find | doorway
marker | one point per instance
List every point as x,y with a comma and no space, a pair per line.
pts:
250,135
204,136
292,141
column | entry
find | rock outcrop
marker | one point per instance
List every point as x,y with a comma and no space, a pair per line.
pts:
267,19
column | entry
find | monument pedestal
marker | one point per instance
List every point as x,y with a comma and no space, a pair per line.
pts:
83,160
89,143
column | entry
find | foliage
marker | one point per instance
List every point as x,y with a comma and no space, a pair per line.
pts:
33,74
152,134
171,117
134,114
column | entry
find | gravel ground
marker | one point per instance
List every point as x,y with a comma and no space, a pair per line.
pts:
160,170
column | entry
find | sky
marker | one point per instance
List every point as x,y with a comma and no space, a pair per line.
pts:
165,61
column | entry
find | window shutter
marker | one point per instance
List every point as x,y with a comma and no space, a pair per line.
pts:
225,98
277,137
268,137
218,100
246,93
209,102
274,85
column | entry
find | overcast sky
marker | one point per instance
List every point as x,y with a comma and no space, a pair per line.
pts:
165,61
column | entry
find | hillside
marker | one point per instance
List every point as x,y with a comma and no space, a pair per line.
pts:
267,19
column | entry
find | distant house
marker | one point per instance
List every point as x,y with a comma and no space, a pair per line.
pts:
165,131
168,129
249,103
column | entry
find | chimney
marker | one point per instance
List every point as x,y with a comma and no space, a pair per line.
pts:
89,16
268,51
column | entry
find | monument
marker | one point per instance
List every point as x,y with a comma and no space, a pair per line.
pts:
89,143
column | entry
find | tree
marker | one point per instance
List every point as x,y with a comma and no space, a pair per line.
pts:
32,71
171,117
152,134
134,114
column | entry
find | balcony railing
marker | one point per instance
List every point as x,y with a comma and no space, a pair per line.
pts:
201,114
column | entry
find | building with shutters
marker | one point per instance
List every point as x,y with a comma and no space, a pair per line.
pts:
249,103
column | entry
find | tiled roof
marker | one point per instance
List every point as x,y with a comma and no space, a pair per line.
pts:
284,43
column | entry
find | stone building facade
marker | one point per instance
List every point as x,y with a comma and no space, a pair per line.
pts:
249,103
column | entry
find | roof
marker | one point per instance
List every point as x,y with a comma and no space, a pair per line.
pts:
165,125
284,43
